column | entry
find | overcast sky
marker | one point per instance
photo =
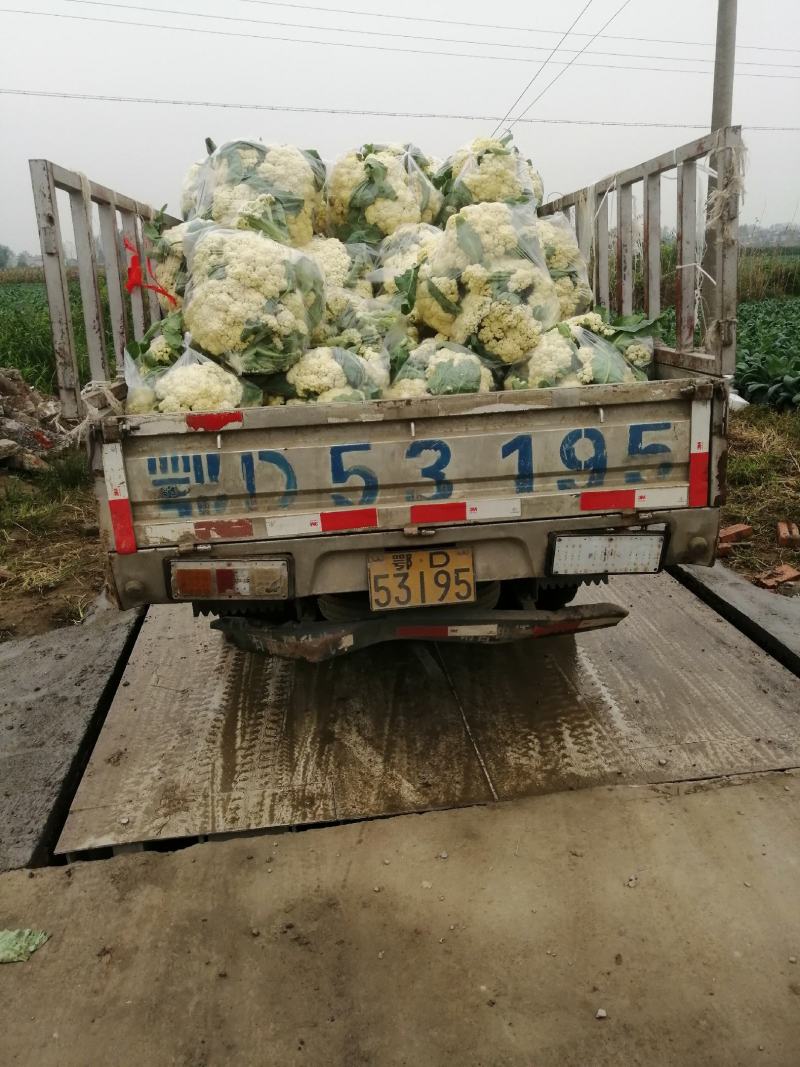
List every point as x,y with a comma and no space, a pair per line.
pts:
143,150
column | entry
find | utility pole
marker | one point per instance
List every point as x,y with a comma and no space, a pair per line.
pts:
721,114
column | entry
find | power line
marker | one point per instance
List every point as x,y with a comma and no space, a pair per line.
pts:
564,70
495,26
367,112
369,47
421,37
544,63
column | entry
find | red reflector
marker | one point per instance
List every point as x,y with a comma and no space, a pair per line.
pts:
554,628
122,525
608,500
456,512
213,421
698,479
226,579
208,529
351,519
421,631
193,581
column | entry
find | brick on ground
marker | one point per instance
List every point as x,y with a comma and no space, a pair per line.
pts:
788,535
730,535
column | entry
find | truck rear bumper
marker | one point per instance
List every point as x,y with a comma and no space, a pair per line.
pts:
336,563
317,641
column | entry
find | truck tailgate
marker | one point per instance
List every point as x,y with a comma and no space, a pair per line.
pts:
268,473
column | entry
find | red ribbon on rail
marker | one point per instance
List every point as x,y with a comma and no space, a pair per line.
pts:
135,278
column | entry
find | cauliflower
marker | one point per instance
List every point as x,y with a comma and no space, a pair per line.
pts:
566,264
343,266
591,321
638,354
190,189
599,362
201,386
141,400
487,170
484,282
169,265
251,300
275,189
551,363
400,252
407,389
444,369
321,370
376,188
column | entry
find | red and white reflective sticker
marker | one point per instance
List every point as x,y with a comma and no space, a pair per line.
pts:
699,453
343,520
119,506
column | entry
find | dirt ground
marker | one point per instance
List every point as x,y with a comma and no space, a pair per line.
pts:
485,936
51,564
763,485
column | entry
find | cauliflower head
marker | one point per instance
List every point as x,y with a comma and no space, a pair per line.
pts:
485,283
445,369
197,387
274,189
401,251
566,264
487,170
551,363
377,188
327,368
252,300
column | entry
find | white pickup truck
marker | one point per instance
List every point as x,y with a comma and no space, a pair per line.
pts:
311,531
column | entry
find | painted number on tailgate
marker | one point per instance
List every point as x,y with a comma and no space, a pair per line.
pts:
354,482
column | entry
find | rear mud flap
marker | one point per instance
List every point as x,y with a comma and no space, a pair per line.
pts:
317,641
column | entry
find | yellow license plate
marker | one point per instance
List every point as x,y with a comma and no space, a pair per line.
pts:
420,578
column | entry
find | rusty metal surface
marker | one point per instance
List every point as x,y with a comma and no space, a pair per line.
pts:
205,739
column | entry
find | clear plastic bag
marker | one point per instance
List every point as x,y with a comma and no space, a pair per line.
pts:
322,370
571,356
251,300
566,264
600,362
275,189
345,270
633,335
484,282
487,170
400,253
193,383
376,188
160,346
443,369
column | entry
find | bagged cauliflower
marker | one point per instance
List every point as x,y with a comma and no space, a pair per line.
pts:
251,300
320,371
487,170
161,346
600,363
566,264
193,383
376,188
572,355
442,369
633,335
169,259
485,283
275,189
553,362
400,253
192,182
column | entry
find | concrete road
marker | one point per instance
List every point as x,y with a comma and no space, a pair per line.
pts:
678,915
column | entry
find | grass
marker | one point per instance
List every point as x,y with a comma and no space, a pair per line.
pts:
51,564
25,341
763,484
